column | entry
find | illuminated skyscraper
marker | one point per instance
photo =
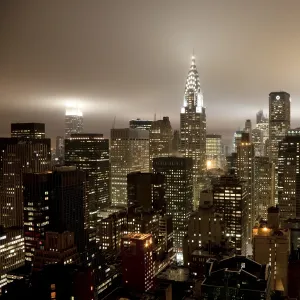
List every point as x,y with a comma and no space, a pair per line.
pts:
28,130
279,124
193,129
129,152
73,120
90,152
140,124
178,172
260,134
19,156
214,155
289,175
160,139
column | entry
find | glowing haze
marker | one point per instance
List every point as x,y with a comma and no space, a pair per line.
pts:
130,59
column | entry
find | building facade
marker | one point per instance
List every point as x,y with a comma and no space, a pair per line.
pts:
73,120
28,130
140,124
193,129
214,153
129,152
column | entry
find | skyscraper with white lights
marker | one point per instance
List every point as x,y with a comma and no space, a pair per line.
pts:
193,129
73,120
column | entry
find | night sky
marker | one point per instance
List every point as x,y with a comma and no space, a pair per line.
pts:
130,58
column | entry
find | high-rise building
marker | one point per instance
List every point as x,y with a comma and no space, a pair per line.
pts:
137,261
257,140
271,245
60,150
140,124
19,156
160,139
289,175
214,153
262,125
260,117
90,152
193,129
146,190
11,252
230,196
28,130
176,142
245,171
178,172
73,120
129,152
248,128
59,248
37,197
238,138
264,184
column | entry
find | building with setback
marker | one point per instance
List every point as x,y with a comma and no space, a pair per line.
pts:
28,130
193,129
289,175
90,152
160,139
178,172
73,120
19,156
129,152
230,198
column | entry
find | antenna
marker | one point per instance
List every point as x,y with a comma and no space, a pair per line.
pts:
114,123
155,116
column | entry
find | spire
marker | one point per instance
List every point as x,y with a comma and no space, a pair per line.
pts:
192,81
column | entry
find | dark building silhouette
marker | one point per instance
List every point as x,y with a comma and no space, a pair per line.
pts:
28,130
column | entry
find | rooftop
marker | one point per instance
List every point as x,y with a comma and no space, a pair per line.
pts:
137,236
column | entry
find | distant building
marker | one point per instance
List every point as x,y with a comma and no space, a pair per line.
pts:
129,152
11,252
140,124
214,153
73,120
272,245
59,248
248,129
90,152
238,138
19,156
178,172
176,142
137,261
60,150
160,139
28,130
236,278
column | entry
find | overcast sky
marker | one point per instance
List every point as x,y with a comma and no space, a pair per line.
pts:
130,58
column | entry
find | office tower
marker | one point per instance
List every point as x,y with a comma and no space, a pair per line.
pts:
271,245
178,172
37,197
19,156
262,123
257,140
229,198
176,142
214,151
137,262
59,248
264,184
160,139
193,129
90,152
73,120
11,252
237,278
261,118
245,171
231,162
238,138
146,190
27,130
248,128
288,175
129,152
60,150
205,230
140,124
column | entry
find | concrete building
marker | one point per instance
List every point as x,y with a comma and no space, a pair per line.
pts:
129,152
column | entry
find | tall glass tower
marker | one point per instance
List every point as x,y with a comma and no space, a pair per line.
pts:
193,129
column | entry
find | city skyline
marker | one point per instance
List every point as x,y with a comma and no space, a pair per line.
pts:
113,73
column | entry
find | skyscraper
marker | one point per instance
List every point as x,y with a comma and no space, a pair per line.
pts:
248,128
193,129
90,152
160,139
28,130
73,120
214,154
289,175
178,172
19,156
129,152
140,124
60,150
